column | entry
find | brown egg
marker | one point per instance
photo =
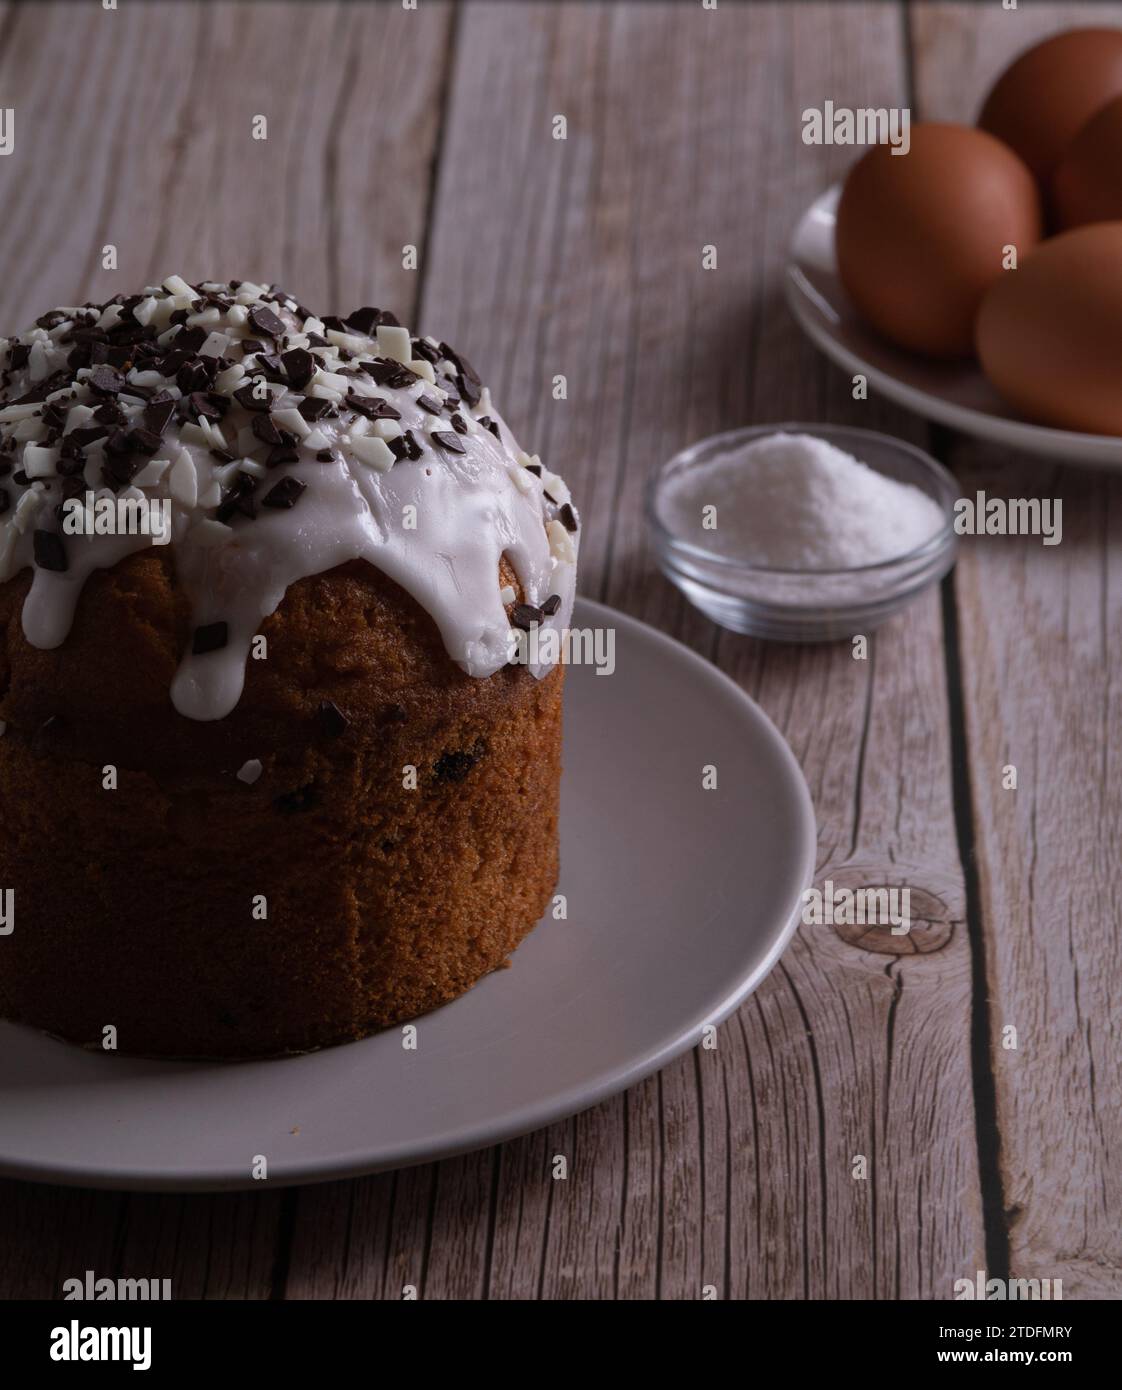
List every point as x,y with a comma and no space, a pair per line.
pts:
1050,333
921,236
1041,100
1087,184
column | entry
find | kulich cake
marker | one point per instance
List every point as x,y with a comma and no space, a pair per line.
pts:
279,765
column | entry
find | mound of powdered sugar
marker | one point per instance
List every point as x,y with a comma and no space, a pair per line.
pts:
790,501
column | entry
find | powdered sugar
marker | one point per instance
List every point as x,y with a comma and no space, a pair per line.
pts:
794,502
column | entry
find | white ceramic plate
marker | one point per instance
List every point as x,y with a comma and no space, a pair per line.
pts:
953,394
680,901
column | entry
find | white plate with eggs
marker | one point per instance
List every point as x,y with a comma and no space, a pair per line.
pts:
954,394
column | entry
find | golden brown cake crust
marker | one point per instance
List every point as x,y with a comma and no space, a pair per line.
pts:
134,906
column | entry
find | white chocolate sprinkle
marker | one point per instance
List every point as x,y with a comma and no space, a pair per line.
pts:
394,342
561,543
39,462
375,452
27,509
184,481
151,473
176,285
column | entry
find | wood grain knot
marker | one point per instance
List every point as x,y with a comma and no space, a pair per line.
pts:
933,913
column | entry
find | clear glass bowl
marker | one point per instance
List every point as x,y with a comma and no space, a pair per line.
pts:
806,605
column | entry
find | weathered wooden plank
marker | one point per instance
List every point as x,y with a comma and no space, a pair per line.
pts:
1041,666
582,257
50,1234
134,127
149,145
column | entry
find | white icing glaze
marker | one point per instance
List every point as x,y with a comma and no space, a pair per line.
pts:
437,525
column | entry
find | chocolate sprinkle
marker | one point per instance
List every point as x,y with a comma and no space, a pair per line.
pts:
551,605
110,413
405,446
451,442
281,454
429,403
265,321
189,340
54,416
313,408
143,441
426,350
157,415
238,498
70,465
244,396
265,428
374,407
300,366
388,372
87,434
106,381
462,365
119,469
272,368
211,637
196,375
568,517
525,616
201,405
364,320
286,493
50,553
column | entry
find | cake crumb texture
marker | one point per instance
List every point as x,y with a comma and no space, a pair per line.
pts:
135,906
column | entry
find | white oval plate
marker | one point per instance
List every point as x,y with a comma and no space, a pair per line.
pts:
680,901
955,394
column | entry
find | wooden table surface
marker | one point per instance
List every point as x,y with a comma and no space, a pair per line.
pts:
389,128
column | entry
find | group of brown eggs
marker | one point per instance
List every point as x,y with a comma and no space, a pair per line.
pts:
1004,240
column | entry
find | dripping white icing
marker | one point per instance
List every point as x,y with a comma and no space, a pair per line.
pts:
437,525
